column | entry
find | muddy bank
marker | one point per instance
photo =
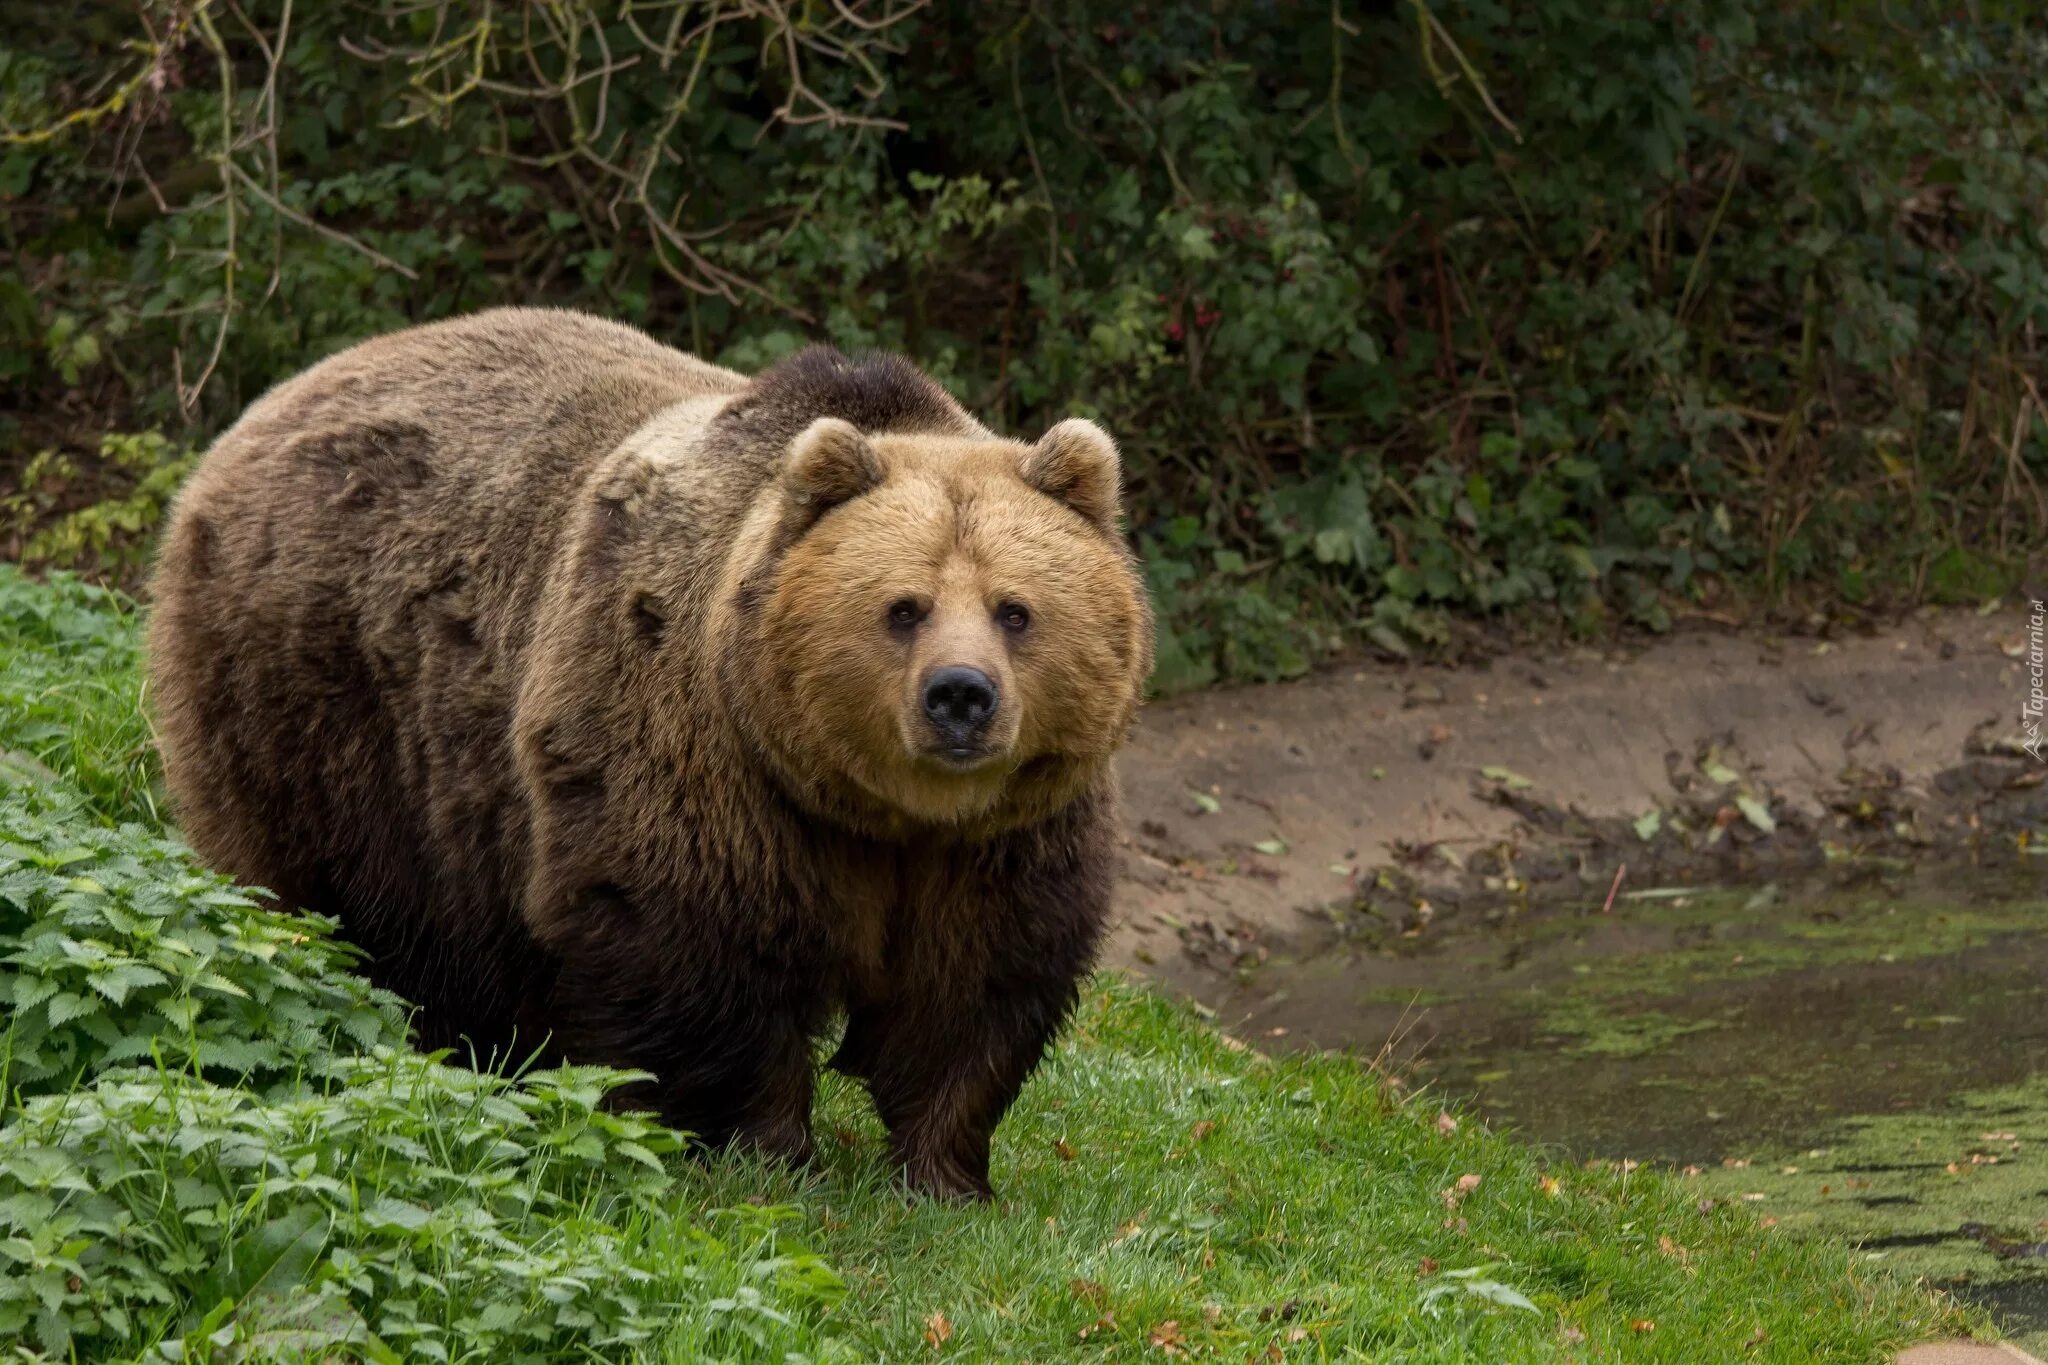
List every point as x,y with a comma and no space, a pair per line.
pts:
1260,816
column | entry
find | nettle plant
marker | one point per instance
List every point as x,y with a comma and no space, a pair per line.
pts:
407,1210
116,949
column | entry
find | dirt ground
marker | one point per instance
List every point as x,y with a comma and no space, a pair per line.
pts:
1262,815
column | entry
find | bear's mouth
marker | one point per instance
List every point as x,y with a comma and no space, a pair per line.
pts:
960,758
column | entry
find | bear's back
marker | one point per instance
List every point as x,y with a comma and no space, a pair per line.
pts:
342,607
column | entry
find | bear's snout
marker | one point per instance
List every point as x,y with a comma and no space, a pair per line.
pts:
960,702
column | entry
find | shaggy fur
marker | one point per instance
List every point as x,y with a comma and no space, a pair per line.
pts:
582,680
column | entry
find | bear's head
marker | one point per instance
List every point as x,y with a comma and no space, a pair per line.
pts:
939,628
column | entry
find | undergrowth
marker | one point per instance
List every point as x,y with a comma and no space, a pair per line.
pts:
1567,316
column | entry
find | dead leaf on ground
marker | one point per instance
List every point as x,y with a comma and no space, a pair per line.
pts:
1090,1291
1445,1124
1202,1129
1455,1194
1550,1185
1642,1325
1427,1266
1065,1149
1168,1337
1105,1323
937,1331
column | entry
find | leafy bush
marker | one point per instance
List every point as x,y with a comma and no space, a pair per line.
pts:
115,948
1584,311
413,1211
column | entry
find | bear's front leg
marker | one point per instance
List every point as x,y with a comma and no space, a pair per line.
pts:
992,961
728,1071
942,1078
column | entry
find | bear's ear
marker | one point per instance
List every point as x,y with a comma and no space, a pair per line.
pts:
1076,463
828,463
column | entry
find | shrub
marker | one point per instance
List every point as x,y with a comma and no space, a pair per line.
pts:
115,948
408,1211
1580,312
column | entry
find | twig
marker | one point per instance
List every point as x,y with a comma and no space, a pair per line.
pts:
278,206
1614,890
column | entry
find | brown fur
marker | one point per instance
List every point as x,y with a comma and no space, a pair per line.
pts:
561,666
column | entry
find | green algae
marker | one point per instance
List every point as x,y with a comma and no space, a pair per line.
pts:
1957,1196
1858,1049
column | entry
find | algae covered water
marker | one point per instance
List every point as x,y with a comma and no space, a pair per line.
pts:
1867,1056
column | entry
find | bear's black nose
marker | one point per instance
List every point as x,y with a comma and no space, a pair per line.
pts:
959,702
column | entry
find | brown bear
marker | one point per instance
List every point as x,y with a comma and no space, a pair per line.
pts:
612,697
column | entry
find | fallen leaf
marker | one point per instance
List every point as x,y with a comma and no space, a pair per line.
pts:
1089,1291
1428,1266
1550,1185
1295,1334
1507,777
1167,1337
1756,813
937,1331
1642,1325
1272,848
1445,1124
1573,1336
1648,823
1065,1149
1204,802
1455,1194
1202,1129
1105,1323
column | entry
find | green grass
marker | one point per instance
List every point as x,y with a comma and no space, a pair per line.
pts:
1164,1191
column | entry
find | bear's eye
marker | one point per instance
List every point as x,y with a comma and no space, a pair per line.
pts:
1013,615
904,614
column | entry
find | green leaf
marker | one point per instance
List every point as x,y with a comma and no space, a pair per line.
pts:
272,1259
1756,812
1272,848
1507,777
1717,772
1648,823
